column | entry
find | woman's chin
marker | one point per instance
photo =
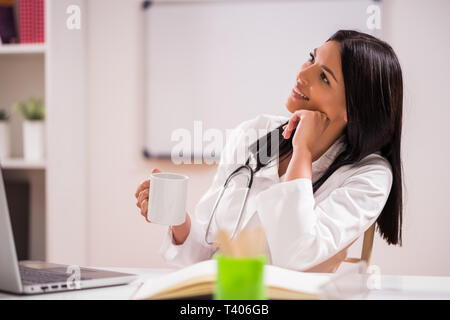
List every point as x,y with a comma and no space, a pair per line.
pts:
293,105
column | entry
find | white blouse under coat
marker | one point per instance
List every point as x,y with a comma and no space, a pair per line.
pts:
302,228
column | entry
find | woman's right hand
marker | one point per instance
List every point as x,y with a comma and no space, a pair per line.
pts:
180,232
142,196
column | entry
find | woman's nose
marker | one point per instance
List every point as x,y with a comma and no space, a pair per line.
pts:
302,78
302,81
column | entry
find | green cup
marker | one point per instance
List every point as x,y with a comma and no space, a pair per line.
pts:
240,278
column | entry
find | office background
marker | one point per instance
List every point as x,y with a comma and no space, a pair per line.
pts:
95,134
218,55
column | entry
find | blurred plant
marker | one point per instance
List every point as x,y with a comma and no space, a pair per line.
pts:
32,109
4,115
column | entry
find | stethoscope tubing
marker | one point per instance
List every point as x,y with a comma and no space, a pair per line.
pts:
236,172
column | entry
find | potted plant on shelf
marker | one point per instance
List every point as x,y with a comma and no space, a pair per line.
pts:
33,111
4,135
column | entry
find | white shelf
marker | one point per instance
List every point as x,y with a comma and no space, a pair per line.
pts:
19,163
22,48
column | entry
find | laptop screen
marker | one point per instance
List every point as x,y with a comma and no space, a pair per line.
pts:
9,268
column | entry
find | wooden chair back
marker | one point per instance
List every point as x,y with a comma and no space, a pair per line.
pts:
366,251
333,263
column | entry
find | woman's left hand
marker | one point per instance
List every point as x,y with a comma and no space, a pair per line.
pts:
310,127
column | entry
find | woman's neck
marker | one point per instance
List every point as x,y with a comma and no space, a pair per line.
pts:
328,138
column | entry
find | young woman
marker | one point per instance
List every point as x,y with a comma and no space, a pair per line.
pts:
337,169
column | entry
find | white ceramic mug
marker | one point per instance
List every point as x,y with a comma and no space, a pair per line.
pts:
167,198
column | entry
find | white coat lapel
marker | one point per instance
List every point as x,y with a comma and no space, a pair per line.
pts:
268,176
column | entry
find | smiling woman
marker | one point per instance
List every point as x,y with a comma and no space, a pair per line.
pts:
334,173
356,80
318,87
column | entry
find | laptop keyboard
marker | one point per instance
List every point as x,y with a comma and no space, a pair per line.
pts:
42,276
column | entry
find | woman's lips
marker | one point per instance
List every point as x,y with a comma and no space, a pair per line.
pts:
297,94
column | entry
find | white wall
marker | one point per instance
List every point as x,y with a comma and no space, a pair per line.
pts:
119,236
66,114
419,32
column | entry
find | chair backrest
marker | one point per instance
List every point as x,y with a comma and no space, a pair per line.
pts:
366,252
332,264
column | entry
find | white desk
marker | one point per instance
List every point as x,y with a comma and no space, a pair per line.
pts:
392,287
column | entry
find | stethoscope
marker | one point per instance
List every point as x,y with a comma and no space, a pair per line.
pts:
238,171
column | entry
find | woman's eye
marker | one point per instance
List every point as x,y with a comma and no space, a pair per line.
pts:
322,75
324,78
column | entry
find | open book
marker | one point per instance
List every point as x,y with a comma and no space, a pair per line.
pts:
199,280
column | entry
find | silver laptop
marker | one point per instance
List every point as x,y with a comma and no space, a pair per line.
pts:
32,277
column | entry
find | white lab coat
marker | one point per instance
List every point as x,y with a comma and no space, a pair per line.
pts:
302,229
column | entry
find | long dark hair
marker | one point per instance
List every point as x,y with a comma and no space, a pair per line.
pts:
374,103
